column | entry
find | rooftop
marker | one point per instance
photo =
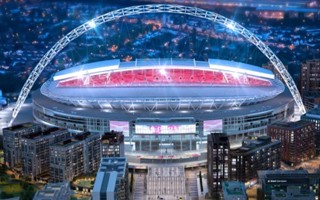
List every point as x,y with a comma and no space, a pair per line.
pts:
234,189
293,193
238,67
116,65
249,145
291,125
39,134
54,191
112,137
110,170
280,174
218,138
75,139
105,182
120,115
117,164
22,126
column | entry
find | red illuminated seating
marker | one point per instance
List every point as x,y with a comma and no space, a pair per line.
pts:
168,76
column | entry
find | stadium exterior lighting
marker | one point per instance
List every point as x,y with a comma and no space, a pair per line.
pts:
231,26
163,72
156,8
92,24
235,75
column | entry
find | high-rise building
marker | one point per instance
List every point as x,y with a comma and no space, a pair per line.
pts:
35,150
311,100
314,116
54,191
12,142
254,154
72,157
234,190
218,148
112,144
310,83
297,139
310,79
112,179
290,183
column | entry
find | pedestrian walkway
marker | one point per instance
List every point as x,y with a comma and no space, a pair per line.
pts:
139,186
166,182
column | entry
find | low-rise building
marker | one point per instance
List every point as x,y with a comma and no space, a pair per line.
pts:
112,179
234,190
293,193
285,181
54,191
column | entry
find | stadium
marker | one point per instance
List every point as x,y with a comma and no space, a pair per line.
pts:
164,107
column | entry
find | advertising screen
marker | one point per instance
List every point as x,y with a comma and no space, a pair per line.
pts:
165,129
210,126
120,126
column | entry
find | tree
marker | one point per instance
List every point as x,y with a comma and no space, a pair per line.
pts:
131,182
201,185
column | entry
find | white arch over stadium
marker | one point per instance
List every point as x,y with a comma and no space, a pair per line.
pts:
156,8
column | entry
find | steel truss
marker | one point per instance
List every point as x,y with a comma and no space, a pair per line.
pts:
156,8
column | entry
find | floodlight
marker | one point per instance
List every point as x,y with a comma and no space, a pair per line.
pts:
231,26
163,72
92,24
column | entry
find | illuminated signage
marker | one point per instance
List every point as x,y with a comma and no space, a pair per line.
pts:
121,126
212,126
165,129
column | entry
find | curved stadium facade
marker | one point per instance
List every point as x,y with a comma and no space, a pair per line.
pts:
164,107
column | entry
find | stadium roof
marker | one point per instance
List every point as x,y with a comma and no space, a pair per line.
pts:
88,68
116,65
243,68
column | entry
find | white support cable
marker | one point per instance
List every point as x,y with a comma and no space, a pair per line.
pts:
156,8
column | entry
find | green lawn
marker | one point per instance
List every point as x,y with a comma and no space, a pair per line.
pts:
1,156
11,189
78,197
84,183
